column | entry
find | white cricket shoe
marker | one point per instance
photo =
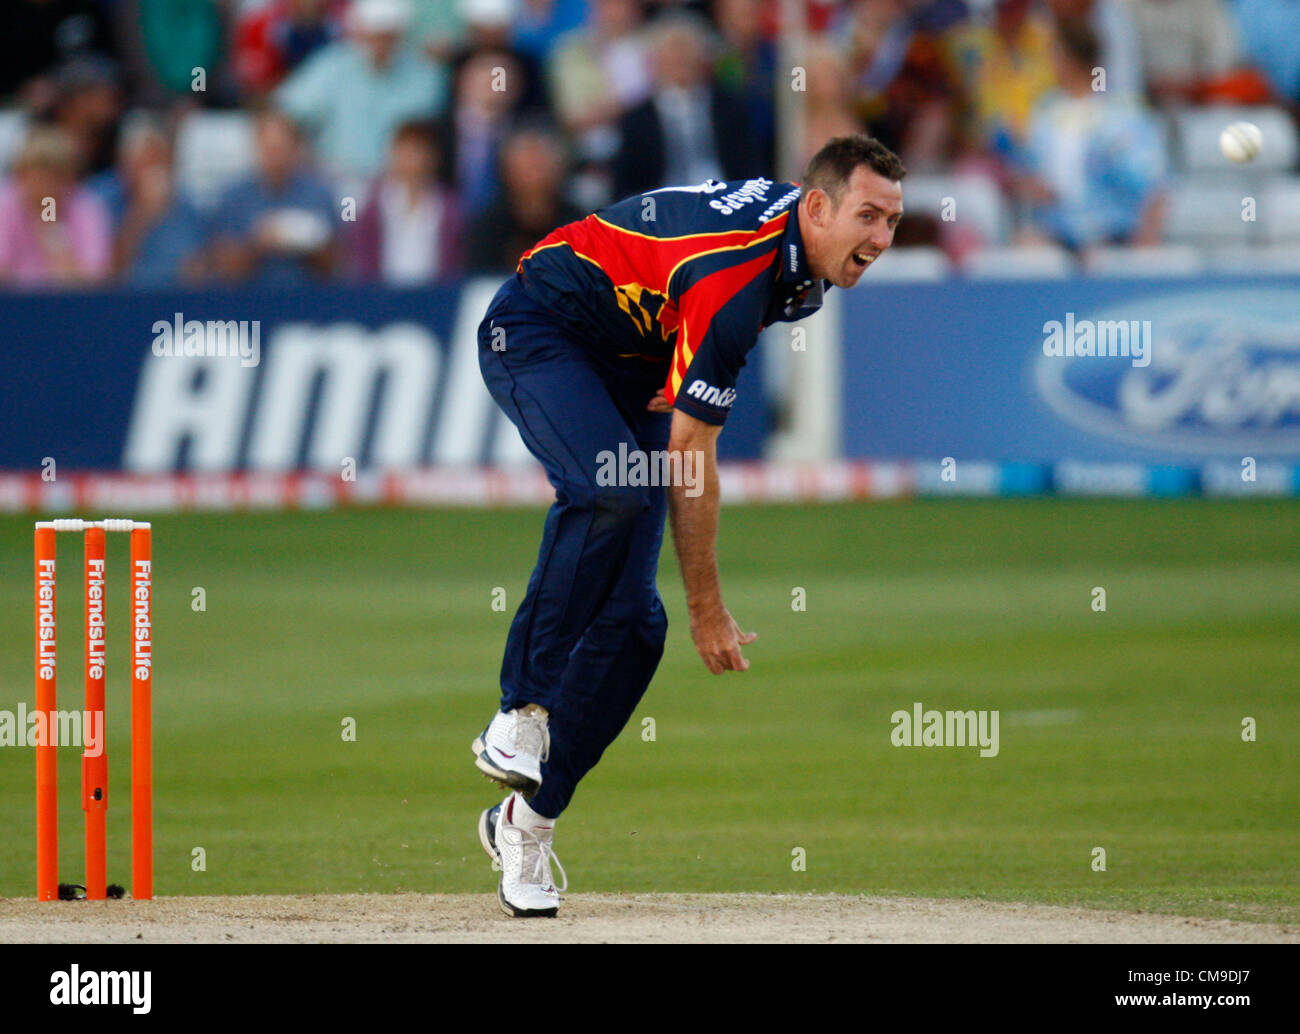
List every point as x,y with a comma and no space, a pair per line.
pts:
524,855
512,748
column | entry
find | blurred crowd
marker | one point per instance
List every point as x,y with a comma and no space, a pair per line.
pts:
163,142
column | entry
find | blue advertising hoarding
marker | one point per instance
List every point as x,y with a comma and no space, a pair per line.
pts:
1196,371
386,378
1154,387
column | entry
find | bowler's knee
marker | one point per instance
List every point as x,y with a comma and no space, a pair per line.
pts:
619,504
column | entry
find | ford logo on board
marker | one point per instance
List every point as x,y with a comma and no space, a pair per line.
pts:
1224,375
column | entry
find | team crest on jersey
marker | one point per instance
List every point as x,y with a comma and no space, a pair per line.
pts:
650,311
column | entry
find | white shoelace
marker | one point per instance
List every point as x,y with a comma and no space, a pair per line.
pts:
532,735
544,857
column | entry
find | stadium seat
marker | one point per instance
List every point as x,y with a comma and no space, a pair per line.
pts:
897,264
1163,260
976,200
1207,211
213,149
13,127
1198,132
1032,262
1279,211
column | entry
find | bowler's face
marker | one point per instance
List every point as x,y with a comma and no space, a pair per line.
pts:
853,234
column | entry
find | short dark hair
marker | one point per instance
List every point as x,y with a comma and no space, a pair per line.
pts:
419,131
832,167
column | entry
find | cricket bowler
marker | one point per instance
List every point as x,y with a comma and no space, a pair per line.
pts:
628,329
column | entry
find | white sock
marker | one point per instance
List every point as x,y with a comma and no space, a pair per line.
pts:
523,816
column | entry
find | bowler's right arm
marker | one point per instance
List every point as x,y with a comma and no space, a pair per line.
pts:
694,519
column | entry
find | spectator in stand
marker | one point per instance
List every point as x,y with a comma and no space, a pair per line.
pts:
164,41
1270,35
529,28
1186,45
437,29
747,66
828,104
532,204
902,88
538,24
485,102
1121,55
1003,70
274,37
41,35
53,231
690,129
158,235
88,107
409,232
279,225
352,94
596,74
1094,168
490,26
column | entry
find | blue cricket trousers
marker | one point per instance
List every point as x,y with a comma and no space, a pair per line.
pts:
590,631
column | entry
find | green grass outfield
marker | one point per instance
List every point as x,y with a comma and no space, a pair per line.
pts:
1119,730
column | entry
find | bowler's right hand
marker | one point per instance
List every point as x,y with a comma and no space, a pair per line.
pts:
718,639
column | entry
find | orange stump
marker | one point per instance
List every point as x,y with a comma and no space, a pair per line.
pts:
94,767
141,713
47,759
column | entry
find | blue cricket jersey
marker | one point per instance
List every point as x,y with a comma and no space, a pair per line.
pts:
680,280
